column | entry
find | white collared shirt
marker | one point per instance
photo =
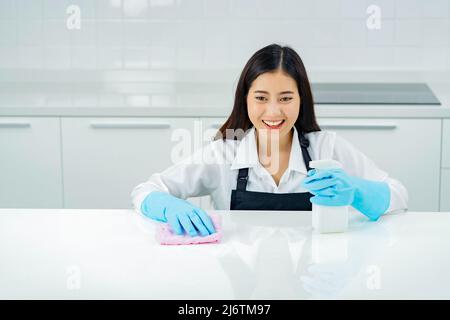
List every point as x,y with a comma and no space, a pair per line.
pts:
213,169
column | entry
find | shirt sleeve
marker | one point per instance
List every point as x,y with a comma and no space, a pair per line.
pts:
195,176
358,164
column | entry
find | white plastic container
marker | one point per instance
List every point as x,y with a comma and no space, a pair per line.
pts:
328,219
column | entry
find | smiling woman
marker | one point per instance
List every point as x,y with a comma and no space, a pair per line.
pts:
260,157
274,78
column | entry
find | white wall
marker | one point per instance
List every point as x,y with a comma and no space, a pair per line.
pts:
222,34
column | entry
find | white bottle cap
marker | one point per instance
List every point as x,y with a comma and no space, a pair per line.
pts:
325,164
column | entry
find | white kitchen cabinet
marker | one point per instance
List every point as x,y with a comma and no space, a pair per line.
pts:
445,190
446,144
209,128
105,158
408,149
30,163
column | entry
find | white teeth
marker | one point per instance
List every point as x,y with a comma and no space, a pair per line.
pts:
273,123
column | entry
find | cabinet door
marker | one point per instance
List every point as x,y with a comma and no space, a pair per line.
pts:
408,149
446,144
209,128
30,163
105,158
445,190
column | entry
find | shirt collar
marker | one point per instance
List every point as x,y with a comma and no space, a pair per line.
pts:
247,153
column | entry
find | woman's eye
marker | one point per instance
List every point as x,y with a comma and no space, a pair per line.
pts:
285,99
260,98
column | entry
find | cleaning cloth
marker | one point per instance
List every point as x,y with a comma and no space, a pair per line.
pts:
165,236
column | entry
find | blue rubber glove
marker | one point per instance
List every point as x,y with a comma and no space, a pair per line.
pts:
179,213
334,187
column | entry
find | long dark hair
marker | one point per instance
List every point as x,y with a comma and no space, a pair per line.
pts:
272,58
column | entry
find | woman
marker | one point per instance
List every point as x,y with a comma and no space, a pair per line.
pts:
260,158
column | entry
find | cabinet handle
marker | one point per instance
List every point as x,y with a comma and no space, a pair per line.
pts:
115,125
15,124
216,125
376,126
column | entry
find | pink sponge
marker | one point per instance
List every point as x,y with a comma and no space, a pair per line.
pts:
165,236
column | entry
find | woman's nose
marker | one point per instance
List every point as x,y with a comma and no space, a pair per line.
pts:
273,108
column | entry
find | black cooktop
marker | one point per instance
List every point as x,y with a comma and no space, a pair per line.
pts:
374,93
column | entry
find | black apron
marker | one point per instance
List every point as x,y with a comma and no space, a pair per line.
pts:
251,200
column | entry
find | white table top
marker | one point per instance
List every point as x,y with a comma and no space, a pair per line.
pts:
112,254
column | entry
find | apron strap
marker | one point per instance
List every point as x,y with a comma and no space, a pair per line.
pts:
242,179
243,172
304,144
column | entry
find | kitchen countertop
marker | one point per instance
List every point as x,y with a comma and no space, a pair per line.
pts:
112,254
188,94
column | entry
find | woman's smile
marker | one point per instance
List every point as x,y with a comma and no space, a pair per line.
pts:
273,124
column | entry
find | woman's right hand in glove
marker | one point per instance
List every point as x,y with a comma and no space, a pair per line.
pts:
180,214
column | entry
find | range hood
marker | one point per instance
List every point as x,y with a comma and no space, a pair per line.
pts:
374,93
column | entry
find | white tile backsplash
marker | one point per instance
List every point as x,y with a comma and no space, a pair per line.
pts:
8,33
135,9
217,9
88,8
162,57
55,9
353,33
9,57
387,7
302,33
189,9
84,100
57,57
108,9
109,57
83,57
136,33
163,34
136,58
85,36
30,32
326,33
8,9
436,32
222,34
190,33
31,57
385,36
408,58
409,32
29,9
162,9
216,58
245,9
109,33
283,10
111,100
325,9
355,9
436,9
409,9
218,35
189,58
55,33
434,58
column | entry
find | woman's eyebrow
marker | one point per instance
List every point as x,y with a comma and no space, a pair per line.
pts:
262,91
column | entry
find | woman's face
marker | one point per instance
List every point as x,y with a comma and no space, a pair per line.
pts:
273,103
